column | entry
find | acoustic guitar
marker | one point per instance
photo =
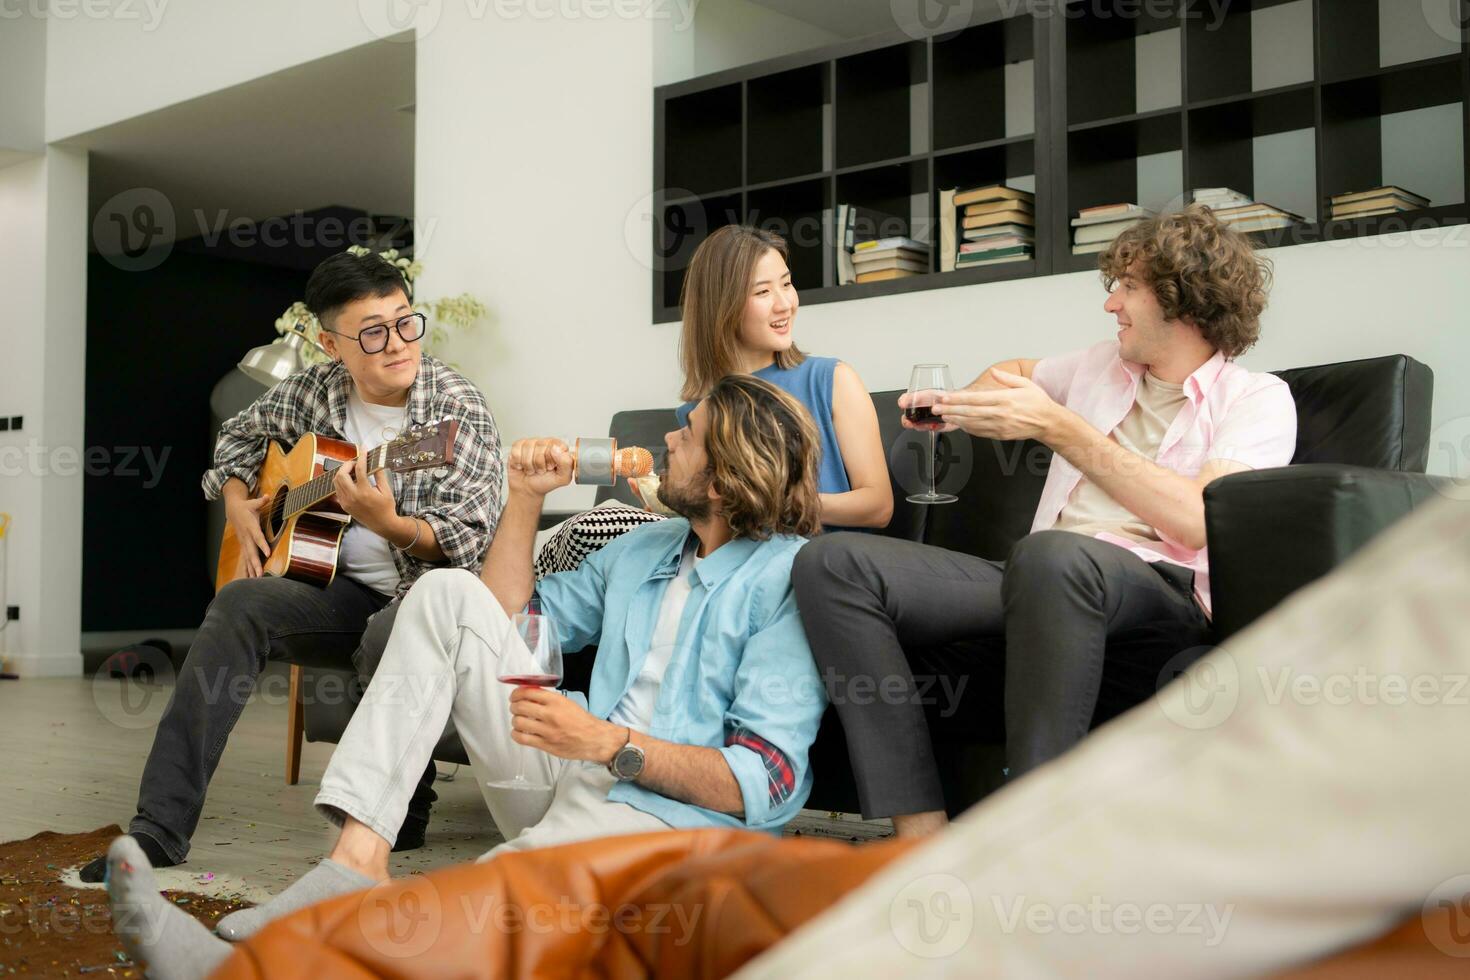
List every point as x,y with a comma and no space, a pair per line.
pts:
302,522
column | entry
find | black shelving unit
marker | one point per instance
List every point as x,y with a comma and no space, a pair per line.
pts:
886,123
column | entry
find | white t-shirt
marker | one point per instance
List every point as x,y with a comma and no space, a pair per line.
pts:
635,710
365,556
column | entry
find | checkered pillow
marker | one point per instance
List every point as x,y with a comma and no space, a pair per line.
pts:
590,531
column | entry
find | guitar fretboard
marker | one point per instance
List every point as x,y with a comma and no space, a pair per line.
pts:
320,487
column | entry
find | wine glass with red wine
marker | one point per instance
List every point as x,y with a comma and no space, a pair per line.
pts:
537,633
926,383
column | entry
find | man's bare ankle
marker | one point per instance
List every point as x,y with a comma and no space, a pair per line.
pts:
361,850
363,864
920,824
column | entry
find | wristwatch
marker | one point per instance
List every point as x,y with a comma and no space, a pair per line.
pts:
627,762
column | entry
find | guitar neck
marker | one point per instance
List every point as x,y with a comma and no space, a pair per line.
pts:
319,488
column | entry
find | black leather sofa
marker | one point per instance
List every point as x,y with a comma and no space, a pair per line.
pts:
1362,448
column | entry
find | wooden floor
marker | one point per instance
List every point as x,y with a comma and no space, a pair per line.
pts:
73,754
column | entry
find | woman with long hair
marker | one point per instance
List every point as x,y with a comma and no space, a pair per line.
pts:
739,310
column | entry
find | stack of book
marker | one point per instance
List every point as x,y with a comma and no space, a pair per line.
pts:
997,224
1380,200
1241,213
889,258
1097,227
1219,198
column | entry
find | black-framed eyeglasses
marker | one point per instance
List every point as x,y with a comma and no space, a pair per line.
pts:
374,339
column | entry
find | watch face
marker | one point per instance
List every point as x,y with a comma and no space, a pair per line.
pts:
628,763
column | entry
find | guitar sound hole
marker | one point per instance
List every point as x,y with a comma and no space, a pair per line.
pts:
276,519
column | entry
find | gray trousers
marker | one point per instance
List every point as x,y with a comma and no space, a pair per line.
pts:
251,622
1056,600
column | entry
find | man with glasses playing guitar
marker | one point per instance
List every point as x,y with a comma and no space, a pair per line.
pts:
295,587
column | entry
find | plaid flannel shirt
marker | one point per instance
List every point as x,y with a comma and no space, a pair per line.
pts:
463,507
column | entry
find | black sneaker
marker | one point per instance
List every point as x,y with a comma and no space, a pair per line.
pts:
96,870
411,834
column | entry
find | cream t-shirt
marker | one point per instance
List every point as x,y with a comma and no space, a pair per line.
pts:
365,556
1089,509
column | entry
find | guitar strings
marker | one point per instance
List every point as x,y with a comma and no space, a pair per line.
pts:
319,488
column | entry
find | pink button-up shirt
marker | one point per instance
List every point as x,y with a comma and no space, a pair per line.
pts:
1229,413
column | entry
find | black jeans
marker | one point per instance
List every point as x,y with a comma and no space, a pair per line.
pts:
250,622
1056,600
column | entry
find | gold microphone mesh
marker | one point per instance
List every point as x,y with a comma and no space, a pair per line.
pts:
633,462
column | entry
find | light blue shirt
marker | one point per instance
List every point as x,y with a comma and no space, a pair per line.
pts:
741,660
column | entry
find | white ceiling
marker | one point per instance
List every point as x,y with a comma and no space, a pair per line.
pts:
859,18
330,132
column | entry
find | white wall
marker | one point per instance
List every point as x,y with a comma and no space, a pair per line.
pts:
23,215
143,55
43,209
538,203
22,82
727,34
524,201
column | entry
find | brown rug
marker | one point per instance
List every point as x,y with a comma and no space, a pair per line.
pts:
48,929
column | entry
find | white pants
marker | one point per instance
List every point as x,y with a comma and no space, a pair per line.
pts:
441,662
1300,791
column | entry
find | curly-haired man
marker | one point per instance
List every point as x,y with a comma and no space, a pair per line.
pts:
1139,426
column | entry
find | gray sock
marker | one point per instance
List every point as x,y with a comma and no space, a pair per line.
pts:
174,944
327,880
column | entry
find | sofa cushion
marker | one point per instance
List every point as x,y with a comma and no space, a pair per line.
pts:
1374,412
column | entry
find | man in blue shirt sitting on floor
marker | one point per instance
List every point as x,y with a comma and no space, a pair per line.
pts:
704,697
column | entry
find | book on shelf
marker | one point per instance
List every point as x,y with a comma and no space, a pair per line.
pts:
994,192
1090,247
862,224
1012,216
870,255
1218,197
895,241
1390,201
979,234
883,275
913,265
1381,205
948,227
991,207
1110,212
855,225
1246,212
1354,216
1388,190
994,261
999,241
1264,223
1088,234
846,273
1014,254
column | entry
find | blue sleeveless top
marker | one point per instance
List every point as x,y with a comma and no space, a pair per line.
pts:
810,383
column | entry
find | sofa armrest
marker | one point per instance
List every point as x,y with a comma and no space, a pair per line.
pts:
1272,531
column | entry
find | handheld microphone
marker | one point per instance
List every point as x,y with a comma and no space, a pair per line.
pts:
599,462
